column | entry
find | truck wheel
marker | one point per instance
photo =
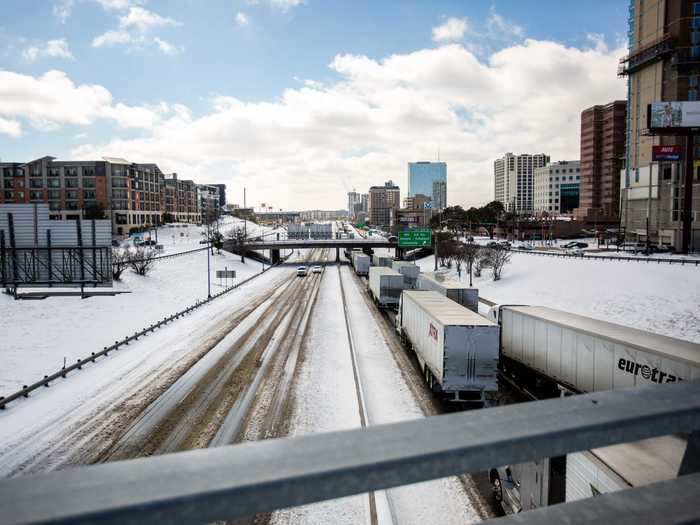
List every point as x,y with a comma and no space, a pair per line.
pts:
497,487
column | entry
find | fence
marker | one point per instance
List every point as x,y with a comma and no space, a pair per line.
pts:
45,382
230,482
658,260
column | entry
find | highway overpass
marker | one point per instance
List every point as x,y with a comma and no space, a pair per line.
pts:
275,245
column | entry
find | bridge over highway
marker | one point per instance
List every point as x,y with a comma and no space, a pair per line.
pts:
275,245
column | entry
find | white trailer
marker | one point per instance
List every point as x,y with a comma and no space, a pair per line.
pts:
577,354
382,260
385,286
458,292
409,270
360,262
456,348
587,355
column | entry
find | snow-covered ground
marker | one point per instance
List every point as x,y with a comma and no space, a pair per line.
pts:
661,298
36,336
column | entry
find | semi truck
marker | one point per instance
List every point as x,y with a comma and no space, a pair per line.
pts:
458,292
386,286
382,260
457,349
551,352
409,270
360,262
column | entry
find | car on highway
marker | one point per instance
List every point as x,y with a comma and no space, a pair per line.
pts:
575,244
301,271
315,269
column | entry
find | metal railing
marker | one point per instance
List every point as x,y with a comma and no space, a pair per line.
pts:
78,365
658,260
230,482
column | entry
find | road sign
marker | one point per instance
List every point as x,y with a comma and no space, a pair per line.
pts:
666,153
428,205
415,238
225,274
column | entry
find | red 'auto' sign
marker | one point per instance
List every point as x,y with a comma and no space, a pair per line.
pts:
666,153
433,332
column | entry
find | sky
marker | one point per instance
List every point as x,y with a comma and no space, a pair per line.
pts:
300,101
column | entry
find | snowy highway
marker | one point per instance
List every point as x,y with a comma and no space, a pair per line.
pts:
288,356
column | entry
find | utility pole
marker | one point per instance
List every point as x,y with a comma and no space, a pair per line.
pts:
245,221
208,262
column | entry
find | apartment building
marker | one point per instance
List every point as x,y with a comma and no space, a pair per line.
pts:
603,129
209,202
663,65
180,199
557,188
128,194
514,180
384,202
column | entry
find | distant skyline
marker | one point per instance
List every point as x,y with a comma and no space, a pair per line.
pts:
302,100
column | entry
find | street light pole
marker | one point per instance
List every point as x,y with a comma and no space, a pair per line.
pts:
208,262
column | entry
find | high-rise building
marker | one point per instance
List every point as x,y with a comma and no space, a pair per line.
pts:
557,187
663,65
429,178
602,155
209,199
384,202
514,180
357,203
222,194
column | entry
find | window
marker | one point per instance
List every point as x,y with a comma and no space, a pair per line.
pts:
54,183
695,50
54,195
54,172
71,183
36,195
55,206
692,94
72,195
9,183
89,194
696,8
88,183
36,183
9,195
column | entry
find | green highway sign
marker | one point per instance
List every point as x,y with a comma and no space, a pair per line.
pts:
415,238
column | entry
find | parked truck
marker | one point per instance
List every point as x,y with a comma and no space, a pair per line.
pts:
382,260
360,262
409,271
550,353
386,286
456,348
458,292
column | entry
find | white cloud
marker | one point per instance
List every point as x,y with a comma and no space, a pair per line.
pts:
53,100
166,47
497,25
242,19
62,10
144,20
286,4
117,5
53,48
111,38
133,29
363,128
10,127
453,29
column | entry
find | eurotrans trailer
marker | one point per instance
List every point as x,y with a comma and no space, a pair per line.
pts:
457,349
553,353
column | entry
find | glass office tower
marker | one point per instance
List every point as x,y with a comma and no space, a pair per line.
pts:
428,178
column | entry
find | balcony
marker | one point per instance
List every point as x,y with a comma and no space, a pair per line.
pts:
646,55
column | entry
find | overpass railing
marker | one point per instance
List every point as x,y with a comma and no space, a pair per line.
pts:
234,481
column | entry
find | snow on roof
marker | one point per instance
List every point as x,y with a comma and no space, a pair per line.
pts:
446,282
445,311
115,160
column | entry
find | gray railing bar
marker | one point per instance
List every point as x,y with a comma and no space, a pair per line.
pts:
233,481
665,503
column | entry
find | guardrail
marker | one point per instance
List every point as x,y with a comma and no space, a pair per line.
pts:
659,260
45,382
171,255
230,482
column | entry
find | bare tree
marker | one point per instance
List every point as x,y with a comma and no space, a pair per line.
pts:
120,262
499,258
482,261
458,258
470,255
238,236
142,260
